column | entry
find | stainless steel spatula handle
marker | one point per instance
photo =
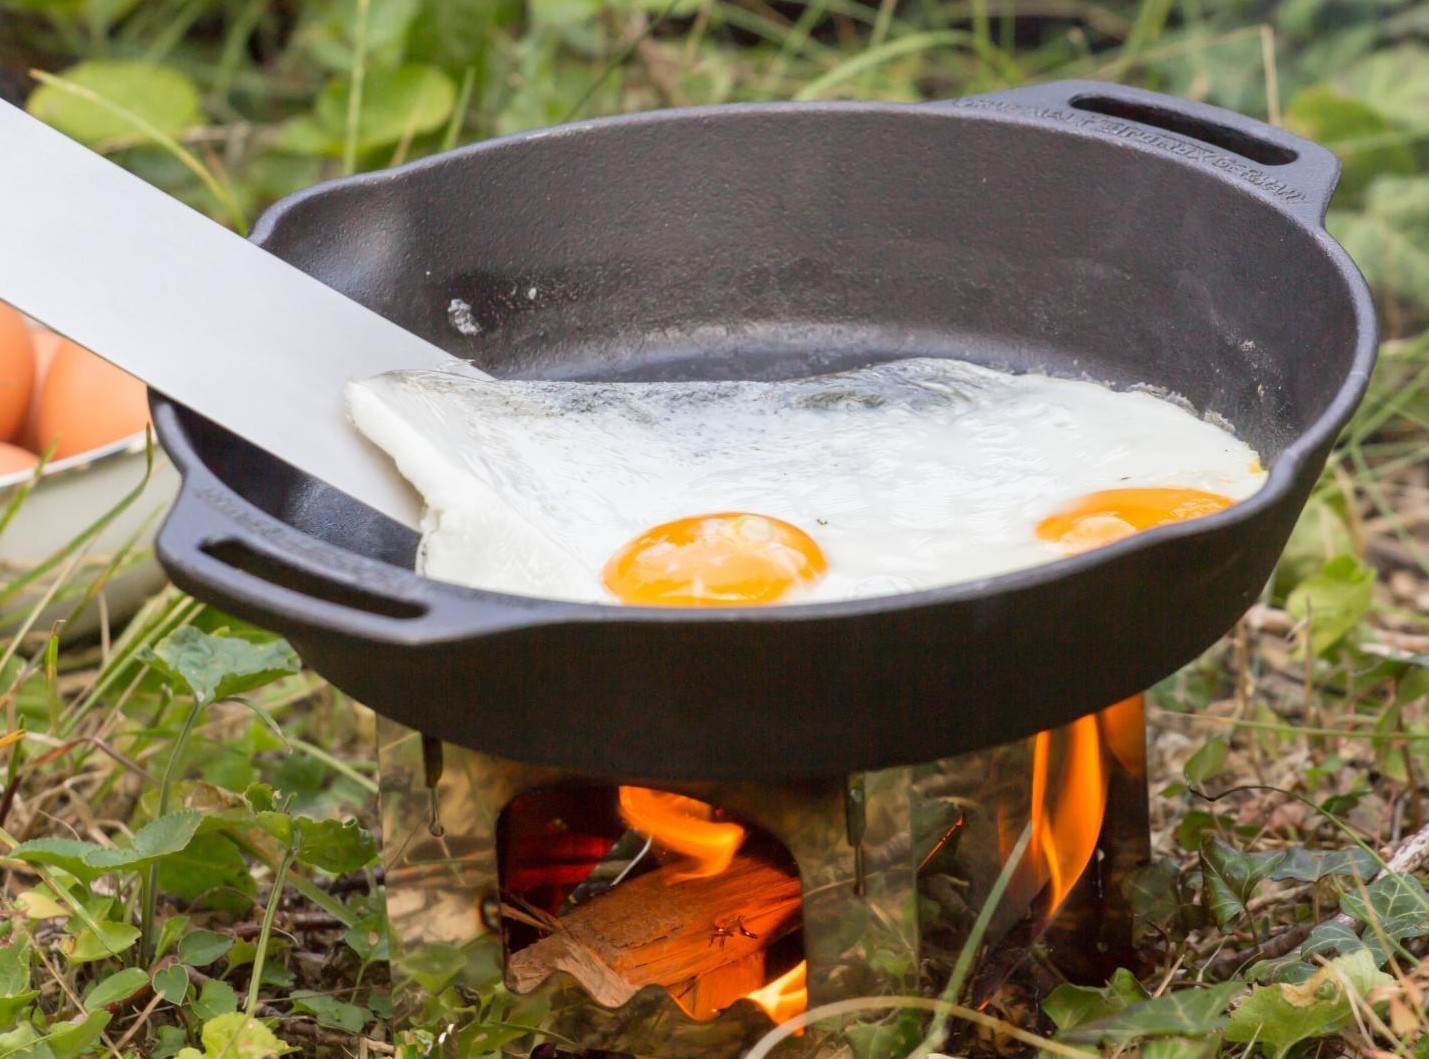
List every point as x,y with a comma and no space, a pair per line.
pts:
194,310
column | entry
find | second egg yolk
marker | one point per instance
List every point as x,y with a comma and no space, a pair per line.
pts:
1100,518
728,559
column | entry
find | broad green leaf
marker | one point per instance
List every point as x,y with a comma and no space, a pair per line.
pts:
331,1012
1321,533
279,825
210,870
172,983
86,861
1230,877
116,987
1389,237
1330,116
210,666
1280,1016
40,903
368,937
163,97
202,947
14,967
67,854
112,939
1334,601
169,834
396,104
1312,865
239,1036
215,998
1397,907
1395,81
174,928
1069,1006
329,30
75,1037
1206,762
1182,1047
1187,1013
15,991
334,846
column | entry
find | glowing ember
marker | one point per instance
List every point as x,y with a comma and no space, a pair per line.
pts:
786,996
684,826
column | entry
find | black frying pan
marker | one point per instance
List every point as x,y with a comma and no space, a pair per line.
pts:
1078,229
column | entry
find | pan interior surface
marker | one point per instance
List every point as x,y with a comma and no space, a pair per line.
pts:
775,242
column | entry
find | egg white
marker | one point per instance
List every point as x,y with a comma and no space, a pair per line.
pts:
909,474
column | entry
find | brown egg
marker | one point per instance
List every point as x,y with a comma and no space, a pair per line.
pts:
47,344
87,403
17,371
13,459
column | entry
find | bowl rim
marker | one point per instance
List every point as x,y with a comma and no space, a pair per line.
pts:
133,443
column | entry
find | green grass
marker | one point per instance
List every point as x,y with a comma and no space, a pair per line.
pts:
1288,764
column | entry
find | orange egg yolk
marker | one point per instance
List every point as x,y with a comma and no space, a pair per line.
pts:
729,559
1099,518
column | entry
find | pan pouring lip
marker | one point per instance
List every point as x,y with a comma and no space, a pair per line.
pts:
1088,230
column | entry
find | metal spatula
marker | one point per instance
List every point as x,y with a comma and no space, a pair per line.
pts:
194,310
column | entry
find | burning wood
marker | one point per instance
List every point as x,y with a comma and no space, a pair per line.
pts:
649,932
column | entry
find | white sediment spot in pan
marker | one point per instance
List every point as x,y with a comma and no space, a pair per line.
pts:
908,474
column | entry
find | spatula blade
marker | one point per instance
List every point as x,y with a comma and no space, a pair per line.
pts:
196,311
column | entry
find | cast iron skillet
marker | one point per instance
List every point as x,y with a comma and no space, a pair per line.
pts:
1075,228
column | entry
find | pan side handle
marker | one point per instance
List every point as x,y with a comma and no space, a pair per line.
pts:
1298,175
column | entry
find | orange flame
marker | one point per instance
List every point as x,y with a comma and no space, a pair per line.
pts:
684,826
1067,817
786,996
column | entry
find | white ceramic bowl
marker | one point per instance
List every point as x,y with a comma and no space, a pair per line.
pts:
70,496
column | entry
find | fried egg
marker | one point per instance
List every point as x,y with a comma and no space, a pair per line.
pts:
900,476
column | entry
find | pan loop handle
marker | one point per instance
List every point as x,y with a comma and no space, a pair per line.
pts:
1298,175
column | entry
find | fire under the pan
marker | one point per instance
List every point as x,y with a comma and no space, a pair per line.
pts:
533,907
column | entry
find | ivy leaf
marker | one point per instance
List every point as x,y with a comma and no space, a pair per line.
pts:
1187,1013
211,667
1397,907
1334,601
172,983
1280,1016
159,95
1069,1006
1331,939
1312,865
202,947
334,846
118,986
111,939
238,1036
331,1012
1230,877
